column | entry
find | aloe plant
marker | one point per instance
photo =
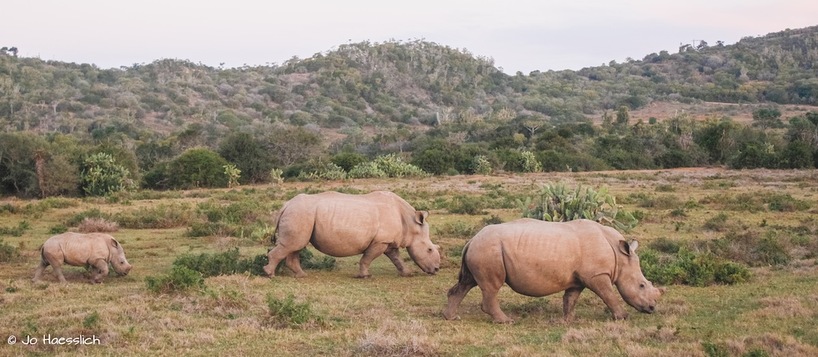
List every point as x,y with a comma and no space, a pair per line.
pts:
556,203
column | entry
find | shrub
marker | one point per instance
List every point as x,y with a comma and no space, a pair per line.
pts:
462,204
366,170
785,203
687,267
455,229
556,203
717,223
101,175
230,262
8,253
161,216
179,279
482,165
287,312
21,228
326,171
197,167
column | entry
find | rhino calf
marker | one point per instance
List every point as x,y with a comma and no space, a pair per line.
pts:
537,258
92,250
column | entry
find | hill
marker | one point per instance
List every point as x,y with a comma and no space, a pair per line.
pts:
405,97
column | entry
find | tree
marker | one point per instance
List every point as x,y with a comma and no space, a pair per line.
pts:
249,156
197,167
767,118
292,145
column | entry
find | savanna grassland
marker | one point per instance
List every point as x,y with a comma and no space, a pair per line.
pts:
705,211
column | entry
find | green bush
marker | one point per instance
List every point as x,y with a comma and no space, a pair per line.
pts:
161,216
785,203
482,165
8,253
101,175
366,170
462,204
690,268
197,167
230,262
287,312
179,279
556,203
21,228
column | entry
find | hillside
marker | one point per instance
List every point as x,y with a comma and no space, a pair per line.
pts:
405,97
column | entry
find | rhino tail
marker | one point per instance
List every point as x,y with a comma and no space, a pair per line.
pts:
274,236
465,278
44,262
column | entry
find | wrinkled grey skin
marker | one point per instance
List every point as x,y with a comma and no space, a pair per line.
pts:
537,258
93,250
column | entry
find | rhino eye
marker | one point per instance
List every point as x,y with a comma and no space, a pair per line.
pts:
429,250
642,286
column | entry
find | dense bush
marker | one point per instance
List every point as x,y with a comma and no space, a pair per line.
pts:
230,262
690,268
179,279
8,253
198,167
289,313
101,175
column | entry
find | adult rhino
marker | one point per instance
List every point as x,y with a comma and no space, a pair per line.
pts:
343,225
92,250
538,258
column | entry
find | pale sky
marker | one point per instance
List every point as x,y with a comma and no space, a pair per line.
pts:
520,35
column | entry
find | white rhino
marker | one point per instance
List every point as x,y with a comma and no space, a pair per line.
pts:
92,250
342,225
537,258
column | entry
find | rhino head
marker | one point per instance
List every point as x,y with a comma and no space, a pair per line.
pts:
116,256
421,249
635,289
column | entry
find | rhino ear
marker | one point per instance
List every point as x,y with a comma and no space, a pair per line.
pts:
114,242
626,248
420,217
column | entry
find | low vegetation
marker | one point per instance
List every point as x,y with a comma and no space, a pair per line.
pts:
737,251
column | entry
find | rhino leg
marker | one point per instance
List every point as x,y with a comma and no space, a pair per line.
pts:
39,271
491,305
294,263
100,270
56,264
456,295
372,252
601,285
394,255
569,301
275,256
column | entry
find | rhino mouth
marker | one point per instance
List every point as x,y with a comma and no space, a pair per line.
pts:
432,271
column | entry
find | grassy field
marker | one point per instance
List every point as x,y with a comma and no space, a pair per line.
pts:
773,314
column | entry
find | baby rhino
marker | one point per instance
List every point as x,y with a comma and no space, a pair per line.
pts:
92,250
537,258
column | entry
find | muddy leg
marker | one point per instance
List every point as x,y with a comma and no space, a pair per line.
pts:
569,301
100,270
294,263
370,254
601,285
394,256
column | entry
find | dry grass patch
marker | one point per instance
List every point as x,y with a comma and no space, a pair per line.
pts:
97,224
397,338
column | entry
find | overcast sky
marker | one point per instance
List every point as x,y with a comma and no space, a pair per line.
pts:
520,35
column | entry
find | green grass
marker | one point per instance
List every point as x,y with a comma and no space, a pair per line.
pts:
771,314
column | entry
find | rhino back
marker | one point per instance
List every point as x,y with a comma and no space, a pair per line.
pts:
541,258
77,248
345,225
